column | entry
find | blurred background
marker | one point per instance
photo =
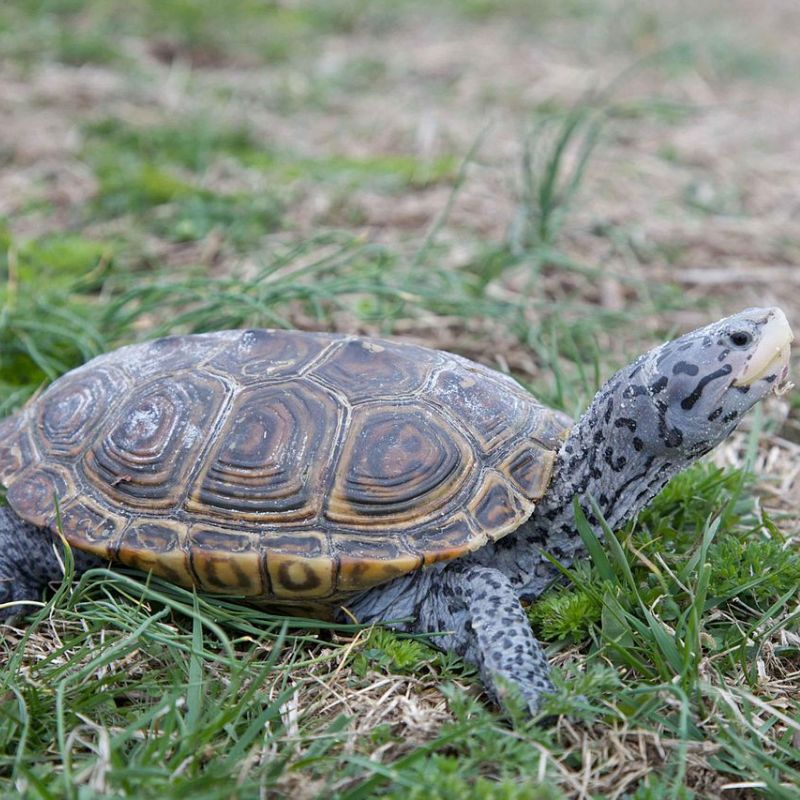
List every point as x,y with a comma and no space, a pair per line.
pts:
546,186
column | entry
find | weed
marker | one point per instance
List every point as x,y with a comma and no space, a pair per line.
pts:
384,649
565,614
554,159
243,219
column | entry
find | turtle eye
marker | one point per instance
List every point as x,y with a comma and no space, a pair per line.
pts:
740,339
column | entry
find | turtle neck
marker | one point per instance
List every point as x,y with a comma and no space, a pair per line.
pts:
602,462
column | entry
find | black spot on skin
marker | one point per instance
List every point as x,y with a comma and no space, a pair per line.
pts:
666,352
686,346
730,417
659,385
700,449
626,422
742,389
634,390
653,485
770,378
674,438
635,371
632,480
714,414
685,368
615,464
689,401
609,409
723,355
638,444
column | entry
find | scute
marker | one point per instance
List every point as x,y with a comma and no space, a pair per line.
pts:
495,506
492,415
401,465
285,467
226,561
83,519
16,448
37,493
529,468
155,545
146,451
269,460
68,414
363,369
259,355
449,540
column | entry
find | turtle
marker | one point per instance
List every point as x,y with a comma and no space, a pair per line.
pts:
360,478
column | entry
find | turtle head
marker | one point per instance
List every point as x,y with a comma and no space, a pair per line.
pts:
651,420
694,390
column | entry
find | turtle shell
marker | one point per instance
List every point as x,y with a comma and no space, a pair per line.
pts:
279,465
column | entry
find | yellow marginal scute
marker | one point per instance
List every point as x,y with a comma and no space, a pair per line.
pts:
529,469
496,507
236,573
296,577
155,546
172,566
357,574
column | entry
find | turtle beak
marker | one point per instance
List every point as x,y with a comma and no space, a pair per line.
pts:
771,355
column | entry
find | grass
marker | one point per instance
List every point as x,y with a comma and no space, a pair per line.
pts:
549,181
141,687
675,646
132,687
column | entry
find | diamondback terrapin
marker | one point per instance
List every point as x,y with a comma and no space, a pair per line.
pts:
358,477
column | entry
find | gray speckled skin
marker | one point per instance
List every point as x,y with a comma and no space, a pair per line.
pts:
652,419
25,571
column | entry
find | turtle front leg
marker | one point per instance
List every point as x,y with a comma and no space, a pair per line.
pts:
476,614
28,564
488,627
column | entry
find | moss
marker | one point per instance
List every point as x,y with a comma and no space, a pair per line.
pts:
566,614
126,190
61,256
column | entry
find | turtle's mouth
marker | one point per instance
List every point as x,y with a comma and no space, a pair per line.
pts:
770,357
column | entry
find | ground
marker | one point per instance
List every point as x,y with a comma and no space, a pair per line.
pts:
548,187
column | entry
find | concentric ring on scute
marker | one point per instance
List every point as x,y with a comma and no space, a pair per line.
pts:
16,447
259,355
399,465
156,545
271,458
68,414
365,370
149,447
492,414
40,490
